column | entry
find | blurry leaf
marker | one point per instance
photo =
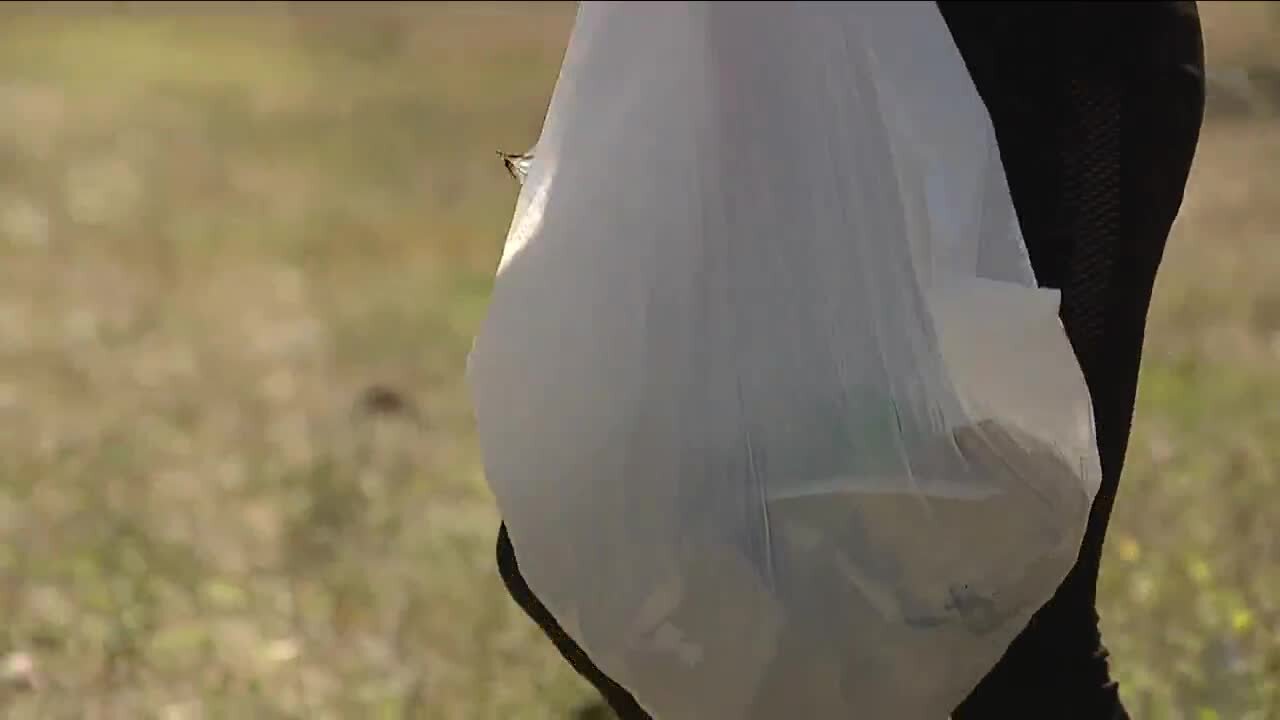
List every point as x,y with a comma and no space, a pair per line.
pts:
223,595
180,642
1199,572
1241,620
1129,549
281,651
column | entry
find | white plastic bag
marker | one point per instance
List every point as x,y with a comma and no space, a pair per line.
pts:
777,418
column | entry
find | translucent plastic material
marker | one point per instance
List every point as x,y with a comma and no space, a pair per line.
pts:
778,420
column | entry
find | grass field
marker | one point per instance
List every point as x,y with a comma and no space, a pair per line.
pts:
243,253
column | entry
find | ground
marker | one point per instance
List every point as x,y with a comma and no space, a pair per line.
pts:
243,252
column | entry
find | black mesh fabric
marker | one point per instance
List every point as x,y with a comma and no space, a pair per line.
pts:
1097,109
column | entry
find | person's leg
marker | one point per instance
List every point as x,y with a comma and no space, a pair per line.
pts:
1097,110
621,701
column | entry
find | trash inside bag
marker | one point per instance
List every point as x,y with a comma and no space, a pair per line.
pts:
778,420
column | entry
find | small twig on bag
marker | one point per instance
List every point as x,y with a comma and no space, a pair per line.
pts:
517,164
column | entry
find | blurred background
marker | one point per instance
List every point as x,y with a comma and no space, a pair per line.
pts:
243,251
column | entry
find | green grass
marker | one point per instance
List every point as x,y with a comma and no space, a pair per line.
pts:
219,230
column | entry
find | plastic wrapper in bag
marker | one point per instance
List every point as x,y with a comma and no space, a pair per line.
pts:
777,417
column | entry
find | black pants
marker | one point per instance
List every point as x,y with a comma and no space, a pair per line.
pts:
1097,109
